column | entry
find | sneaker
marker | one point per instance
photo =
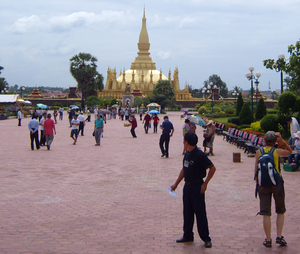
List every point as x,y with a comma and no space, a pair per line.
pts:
281,241
268,244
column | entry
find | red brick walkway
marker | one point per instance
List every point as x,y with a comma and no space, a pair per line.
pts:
113,198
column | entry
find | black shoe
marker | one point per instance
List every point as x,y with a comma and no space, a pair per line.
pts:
268,244
48,147
184,240
163,155
281,241
207,244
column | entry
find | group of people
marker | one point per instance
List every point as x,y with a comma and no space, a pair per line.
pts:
194,168
47,127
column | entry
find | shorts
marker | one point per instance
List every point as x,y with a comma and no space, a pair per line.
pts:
265,196
74,132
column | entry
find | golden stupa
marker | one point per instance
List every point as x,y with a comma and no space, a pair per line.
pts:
142,74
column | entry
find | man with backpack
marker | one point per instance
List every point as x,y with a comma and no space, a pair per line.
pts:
270,182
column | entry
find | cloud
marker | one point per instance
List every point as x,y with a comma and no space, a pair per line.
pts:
163,55
187,20
75,20
22,25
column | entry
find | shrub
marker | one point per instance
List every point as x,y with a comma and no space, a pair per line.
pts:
255,126
261,109
234,120
246,116
229,111
217,109
286,101
202,110
269,123
272,112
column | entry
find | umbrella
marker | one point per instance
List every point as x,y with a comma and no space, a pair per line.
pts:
104,111
185,110
197,120
71,106
42,106
75,107
153,111
28,103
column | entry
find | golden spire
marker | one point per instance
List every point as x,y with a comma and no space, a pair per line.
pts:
143,58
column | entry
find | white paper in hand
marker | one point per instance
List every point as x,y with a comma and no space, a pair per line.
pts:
173,193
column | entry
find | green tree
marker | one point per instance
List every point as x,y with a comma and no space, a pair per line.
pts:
163,93
3,83
261,109
246,116
239,104
83,69
93,100
216,80
291,67
95,84
286,102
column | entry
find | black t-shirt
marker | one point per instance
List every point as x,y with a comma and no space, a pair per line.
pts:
195,164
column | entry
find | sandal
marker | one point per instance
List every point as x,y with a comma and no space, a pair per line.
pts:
281,241
268,244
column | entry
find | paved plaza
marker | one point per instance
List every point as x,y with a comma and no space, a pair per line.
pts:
77,199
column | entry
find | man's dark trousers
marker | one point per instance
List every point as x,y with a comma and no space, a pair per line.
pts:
133,133
43,138
164,139
34,136
194,203
81,128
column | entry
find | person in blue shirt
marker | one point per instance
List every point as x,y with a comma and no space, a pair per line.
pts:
167,132
98,128
33,127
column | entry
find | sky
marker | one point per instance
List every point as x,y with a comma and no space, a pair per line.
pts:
200,37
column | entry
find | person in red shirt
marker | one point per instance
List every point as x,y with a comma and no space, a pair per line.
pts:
133,122
155,123
49,126
146,122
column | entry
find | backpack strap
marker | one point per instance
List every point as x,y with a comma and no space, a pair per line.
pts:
262,151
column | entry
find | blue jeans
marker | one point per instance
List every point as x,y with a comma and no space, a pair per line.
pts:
296,158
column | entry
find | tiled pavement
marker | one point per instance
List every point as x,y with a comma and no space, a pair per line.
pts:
113,198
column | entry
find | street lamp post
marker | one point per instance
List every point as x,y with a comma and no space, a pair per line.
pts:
281,58
211,86
204,91
250,76
21,88
235,94
256,83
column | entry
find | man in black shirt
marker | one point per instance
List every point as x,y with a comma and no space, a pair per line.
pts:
195,163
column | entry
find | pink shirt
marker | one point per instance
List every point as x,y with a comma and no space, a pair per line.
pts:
48,126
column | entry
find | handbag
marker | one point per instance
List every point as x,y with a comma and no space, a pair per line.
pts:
149,125
93,134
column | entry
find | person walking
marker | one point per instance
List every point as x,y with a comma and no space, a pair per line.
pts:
271,174
55,114
81,123
146,122
74,131
42,121
33,127
195,164
98,127
71,113
19,116
133,122
61,113
49,127
141,114
167,132
155,123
